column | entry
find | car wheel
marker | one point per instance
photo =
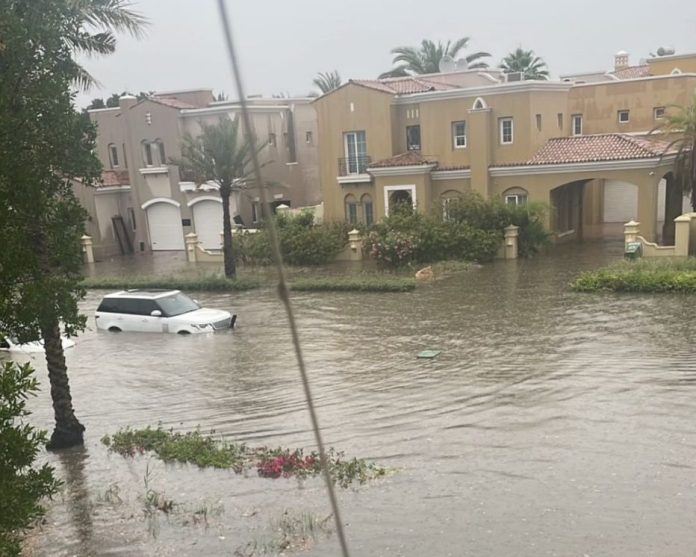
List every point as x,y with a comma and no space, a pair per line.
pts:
183,333
114,330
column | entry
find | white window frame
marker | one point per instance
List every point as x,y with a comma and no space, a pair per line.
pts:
414,147
347,144
456,137
148,155
573,120
502,123
113,155
516,197
661,116
627,113
388,190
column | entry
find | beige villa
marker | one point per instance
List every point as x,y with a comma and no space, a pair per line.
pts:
580,144
143,203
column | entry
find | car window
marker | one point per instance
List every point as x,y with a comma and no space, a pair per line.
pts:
177,304
130,306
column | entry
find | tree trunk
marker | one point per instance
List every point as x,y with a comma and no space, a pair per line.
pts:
230,268
68,430
673,208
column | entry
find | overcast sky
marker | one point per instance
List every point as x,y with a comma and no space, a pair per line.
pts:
284,43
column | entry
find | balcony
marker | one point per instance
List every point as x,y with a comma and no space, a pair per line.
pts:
354,169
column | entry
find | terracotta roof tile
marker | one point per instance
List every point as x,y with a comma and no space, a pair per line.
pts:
173,103
410,158
403,85
110,178
595,148
632,72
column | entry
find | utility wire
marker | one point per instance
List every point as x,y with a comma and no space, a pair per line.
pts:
282,284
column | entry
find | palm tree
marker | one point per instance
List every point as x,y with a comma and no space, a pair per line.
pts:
426,58
327,81
679,122
220,155
525,62
99,21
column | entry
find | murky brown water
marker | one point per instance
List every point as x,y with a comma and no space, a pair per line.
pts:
552,423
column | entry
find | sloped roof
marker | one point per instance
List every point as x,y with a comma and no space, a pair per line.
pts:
110,178
403,85
632,72
629,72
409,158
596,148
173,103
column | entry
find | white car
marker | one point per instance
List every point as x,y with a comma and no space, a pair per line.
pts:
8,344
159,311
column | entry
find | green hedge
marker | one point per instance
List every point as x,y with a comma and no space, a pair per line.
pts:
203,283
659,275
360,284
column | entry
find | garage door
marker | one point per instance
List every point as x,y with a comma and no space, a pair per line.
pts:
164,224
620,201
207,220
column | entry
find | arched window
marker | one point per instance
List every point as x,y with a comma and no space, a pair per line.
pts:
480,104
351,209
515,196
448,200
153,153
368,212
161,156
148,154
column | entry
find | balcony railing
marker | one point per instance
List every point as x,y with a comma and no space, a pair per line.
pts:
349,166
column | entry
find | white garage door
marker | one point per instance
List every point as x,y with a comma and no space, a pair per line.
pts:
207,220
620,201
164,223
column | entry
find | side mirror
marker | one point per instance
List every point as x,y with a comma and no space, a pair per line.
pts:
156,313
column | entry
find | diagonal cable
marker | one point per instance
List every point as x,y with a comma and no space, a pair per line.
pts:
282,284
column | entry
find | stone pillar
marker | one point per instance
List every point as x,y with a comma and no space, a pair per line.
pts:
87,250
647,209
355,244
631,231
191,246
682,229
512,236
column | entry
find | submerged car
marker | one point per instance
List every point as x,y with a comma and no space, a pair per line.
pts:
159,311
9,344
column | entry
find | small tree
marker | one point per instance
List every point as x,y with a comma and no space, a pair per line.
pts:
219,154
525,62
21,485
327,81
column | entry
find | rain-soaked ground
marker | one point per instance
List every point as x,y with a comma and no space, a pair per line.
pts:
552,423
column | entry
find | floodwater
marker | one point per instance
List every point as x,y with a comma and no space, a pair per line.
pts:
552,423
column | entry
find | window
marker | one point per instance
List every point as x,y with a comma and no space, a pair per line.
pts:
131,218
659,112
254,212
272,139
515,197
113,155
177,304
538,122
447,203
308,138
368,210
160,152
506,133
459,134
577,124
355,145
559,116
147,154
351,209
286,139
413,138
623,116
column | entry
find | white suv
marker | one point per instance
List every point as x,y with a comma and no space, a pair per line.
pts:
159,311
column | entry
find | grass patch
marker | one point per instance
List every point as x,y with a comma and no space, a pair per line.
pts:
216,283
205,451
643,275
354,284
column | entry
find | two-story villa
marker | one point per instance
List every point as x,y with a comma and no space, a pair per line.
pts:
580,144
143,203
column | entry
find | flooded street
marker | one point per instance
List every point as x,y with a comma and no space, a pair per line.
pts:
552,423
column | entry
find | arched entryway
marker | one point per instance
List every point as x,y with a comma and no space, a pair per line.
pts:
207,221
399,196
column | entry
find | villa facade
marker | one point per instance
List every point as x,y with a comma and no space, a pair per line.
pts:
581,144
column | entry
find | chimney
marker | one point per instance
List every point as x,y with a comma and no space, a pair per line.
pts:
620,60
127,101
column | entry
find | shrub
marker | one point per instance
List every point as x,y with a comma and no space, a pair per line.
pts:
204,283
22,487
659,275
360,284
301,241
